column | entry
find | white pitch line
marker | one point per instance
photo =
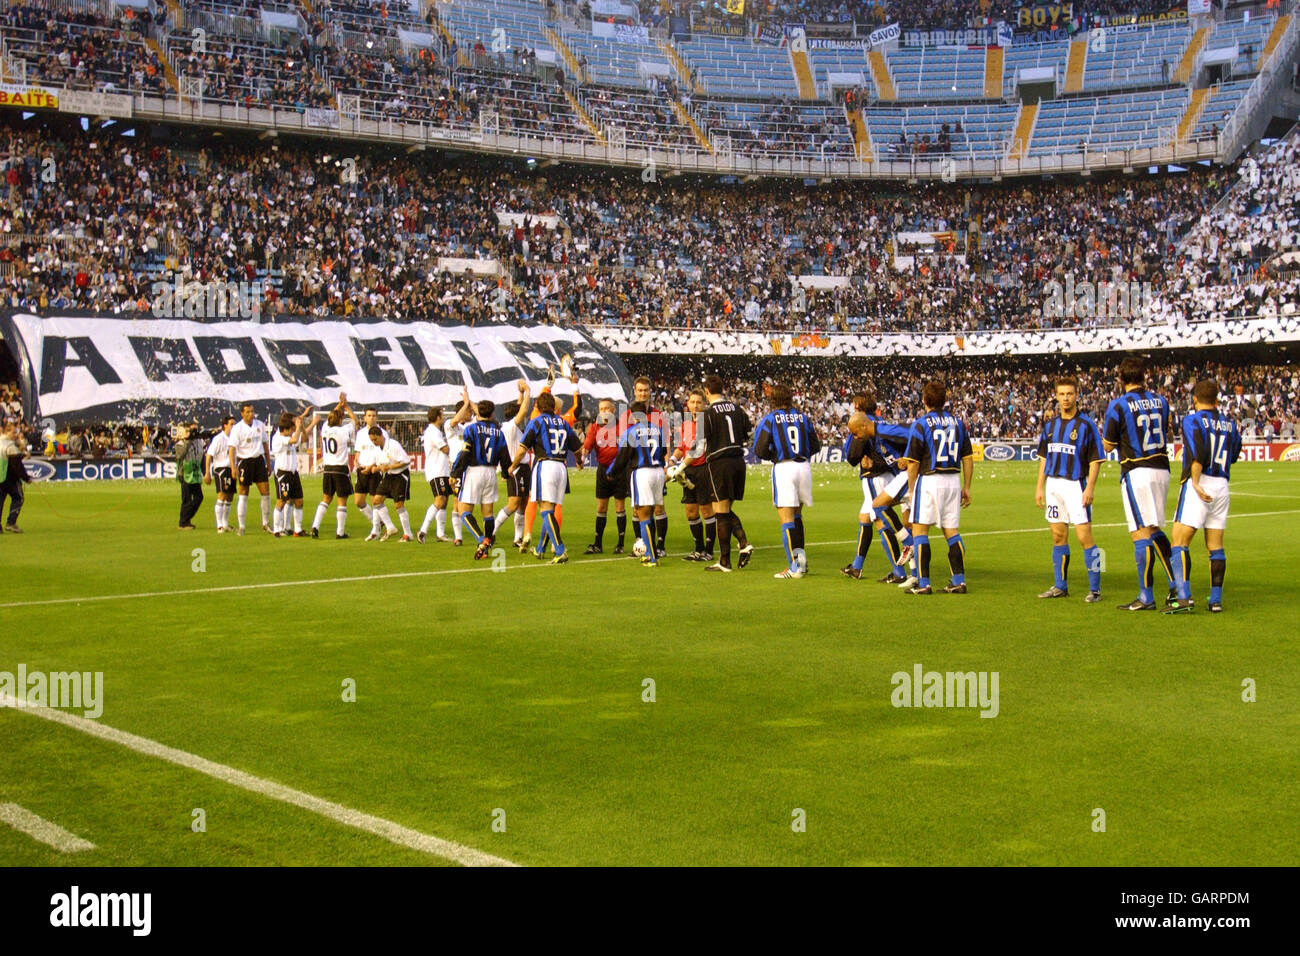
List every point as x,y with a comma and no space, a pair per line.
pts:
488,568
42,830
393,832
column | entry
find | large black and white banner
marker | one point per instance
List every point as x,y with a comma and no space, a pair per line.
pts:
98,367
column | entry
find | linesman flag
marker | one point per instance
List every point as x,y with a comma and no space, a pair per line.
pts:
736,7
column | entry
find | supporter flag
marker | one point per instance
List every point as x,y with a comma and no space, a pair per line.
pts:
550,285
736,7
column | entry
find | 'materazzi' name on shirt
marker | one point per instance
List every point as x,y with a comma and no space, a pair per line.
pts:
1147,403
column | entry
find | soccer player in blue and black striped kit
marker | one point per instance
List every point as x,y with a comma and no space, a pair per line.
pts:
940,467
786,438
1069,461
550,438
1211,445
641,451
875,447
1138,423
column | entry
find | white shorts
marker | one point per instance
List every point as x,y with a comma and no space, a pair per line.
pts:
1065,502
1144,491
791,484
479,487
647,487
872,488
549,481
937,500
1195,513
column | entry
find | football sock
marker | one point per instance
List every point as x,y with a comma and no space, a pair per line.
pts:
320,514
297,519
519,525
530,515
1163,552
601,521
724,539
798,531
1092,557
1181,560
500,520
216,513
386,518
787,542
440,522
557,516
556,540
368,511
647,535
275,519
894,521
1142,549
374,522
957,559
1060,564
922,542
738,529
341,519
710,533
697,533
1218,565
489,525
889,541
241,509
430,513
469,521
455,524
661,532
864,544
405,519
620,521
265,502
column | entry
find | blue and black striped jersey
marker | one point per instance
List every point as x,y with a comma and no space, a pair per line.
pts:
786,435
642,445
1211,438
484,445
550,437
1139,422
1067,446
938,441
879,455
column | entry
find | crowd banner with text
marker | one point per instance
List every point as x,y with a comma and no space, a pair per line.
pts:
92,367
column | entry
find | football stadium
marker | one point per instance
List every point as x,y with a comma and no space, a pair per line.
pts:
649,433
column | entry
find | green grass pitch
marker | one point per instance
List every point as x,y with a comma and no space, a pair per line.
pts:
522,692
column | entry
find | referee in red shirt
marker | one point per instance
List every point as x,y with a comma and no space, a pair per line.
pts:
602,437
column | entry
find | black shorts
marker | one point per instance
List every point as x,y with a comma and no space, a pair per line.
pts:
441,487
223,480
396,485
252,471
336,481
607,487
726,479
699,495
519,484
367,482
288,485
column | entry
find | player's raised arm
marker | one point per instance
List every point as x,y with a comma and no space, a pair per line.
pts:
525,404
465,412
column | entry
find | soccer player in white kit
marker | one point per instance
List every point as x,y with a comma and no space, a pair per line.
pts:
336,438
368,474
216,468
437,469
250,463
288,483
393,465
517,483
